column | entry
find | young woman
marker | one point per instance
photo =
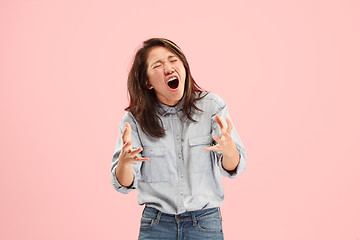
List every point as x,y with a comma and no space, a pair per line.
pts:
174,147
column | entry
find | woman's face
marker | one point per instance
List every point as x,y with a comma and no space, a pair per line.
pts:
166,74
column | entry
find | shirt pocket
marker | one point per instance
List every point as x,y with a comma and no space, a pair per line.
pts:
155,169
200,159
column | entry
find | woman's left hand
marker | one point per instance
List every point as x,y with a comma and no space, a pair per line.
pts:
225,144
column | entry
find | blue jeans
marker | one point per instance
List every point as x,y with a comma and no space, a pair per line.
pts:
202,224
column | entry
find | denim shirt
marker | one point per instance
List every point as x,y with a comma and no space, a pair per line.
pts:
180,175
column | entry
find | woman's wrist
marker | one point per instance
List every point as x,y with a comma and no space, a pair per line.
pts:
124,173
230,161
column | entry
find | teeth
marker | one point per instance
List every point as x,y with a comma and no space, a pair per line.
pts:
172,79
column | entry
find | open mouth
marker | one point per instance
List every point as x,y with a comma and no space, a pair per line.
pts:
173,83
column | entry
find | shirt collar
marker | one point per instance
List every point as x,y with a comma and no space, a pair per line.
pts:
165,109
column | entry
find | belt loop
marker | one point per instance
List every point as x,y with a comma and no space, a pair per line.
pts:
220,213
158,216
193,218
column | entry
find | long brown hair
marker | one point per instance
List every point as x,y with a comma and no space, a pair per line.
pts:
144,104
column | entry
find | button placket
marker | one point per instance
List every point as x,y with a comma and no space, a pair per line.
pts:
180,162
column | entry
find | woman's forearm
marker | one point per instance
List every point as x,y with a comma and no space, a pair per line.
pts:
230,162
124,174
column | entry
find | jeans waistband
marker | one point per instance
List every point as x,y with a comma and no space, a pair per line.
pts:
183,217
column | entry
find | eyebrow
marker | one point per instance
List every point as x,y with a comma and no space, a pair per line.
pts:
159,61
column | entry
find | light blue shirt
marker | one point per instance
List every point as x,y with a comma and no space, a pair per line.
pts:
180,175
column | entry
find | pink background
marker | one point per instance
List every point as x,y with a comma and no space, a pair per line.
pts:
289,71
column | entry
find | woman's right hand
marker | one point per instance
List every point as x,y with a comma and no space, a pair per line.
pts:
128,155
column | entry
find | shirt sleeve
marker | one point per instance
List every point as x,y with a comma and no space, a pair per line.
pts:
135,140
220,108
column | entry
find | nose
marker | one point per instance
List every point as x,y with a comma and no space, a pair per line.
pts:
168,69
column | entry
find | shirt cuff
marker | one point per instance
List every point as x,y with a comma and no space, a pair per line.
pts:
239,168
118,187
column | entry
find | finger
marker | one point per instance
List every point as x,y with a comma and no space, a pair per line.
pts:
229,125
141,159
135,152
228,136
218,120
126,145
213,148
218,140
124,133
127,133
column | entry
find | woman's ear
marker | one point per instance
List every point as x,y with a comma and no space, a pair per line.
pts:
148,85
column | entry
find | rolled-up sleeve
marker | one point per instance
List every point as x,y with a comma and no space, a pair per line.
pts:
220,109
135,144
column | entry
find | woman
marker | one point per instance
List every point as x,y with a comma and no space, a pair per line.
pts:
174,147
